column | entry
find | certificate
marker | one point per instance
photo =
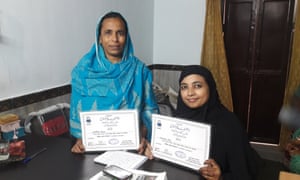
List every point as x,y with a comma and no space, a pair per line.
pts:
110,130
179,141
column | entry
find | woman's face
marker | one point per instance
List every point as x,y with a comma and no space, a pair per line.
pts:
113,38
194,91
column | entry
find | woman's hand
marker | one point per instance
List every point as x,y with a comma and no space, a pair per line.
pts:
293,147
148,151
145,148
78,147
211,170
142,146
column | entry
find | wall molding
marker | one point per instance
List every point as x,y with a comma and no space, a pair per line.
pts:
166,67
33,98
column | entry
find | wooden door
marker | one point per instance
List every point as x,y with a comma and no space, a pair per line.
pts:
257,36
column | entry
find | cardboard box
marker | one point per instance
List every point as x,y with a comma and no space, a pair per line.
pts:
288,176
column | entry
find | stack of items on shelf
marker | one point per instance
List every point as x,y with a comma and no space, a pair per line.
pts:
11,130
10,127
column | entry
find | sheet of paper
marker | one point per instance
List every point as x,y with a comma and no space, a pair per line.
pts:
110,130
183,142
124,159
137,175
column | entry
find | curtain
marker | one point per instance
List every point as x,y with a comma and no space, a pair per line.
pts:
294,74
213,52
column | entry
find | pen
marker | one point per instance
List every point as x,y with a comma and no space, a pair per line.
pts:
26,160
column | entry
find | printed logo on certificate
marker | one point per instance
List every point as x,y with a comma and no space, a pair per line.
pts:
110,130
180,141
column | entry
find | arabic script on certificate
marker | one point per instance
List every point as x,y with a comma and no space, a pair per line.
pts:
180,141
110,130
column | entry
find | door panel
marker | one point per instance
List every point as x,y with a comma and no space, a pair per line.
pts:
257,35
272,52
240,95
238,35
264,126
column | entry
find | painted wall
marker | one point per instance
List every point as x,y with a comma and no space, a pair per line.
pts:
178,31
41,41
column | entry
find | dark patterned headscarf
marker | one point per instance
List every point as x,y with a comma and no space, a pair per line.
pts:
198,114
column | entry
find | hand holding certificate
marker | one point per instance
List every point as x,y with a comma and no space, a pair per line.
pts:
180,141
110,130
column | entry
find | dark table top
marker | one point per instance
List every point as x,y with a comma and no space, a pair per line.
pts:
58,163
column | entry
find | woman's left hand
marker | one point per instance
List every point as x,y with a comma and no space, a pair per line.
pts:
148,151
142,146
211,170
145,148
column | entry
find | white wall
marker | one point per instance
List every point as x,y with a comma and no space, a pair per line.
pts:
178,31
41,40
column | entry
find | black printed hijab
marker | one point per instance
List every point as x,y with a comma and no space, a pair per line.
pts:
198,114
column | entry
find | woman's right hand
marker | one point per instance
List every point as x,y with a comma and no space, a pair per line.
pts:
78,147
211,170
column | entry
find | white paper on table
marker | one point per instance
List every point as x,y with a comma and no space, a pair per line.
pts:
124,159
137,175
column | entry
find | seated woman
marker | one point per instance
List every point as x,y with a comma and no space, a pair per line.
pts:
110,77
231,156
290,116
293,153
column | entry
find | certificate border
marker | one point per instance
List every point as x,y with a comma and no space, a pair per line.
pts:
106,148
156,117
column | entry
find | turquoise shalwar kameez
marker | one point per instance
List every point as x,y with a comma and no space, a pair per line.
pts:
97,84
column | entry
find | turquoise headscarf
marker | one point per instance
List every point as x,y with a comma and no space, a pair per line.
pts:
98,84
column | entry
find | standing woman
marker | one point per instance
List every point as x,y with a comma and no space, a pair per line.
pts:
231,156
110,77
